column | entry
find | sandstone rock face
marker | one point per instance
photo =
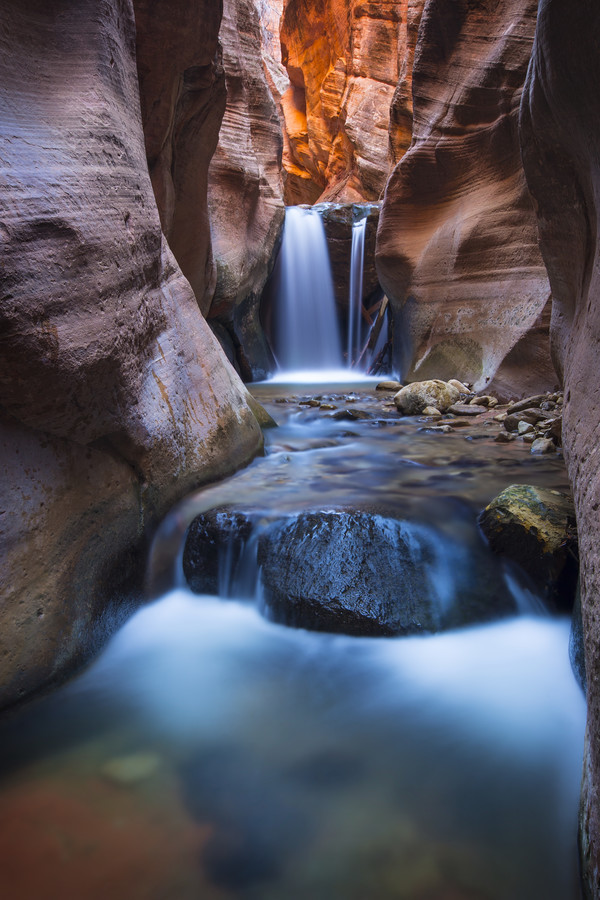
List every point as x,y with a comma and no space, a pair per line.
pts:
560,136
183,93
245,190
349,64
457,246
115,398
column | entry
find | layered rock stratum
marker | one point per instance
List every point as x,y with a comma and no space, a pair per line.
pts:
560,136
115,398
457,249
245,191
348,109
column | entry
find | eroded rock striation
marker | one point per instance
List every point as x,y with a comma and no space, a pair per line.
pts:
560,135
348,109
115,398
457,249
245,191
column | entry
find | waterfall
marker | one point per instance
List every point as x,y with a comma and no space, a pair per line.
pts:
307,332
357,259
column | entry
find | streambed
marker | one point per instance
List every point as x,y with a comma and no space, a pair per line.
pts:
209,752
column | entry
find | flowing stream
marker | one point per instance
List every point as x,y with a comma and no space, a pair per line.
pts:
210,753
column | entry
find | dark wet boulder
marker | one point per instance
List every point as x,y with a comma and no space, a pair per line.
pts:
535,527
214,548
363,574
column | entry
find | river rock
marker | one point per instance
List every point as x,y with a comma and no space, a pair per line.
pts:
524,427
533,416
213,548
462,388
466,409
389,386
527,403
543,445
432,412
536,528
363,574
413,398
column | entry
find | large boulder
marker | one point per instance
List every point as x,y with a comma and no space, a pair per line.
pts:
457,250
115,398
535,527
414,398
560,138
363,574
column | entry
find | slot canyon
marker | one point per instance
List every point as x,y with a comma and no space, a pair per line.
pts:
300,301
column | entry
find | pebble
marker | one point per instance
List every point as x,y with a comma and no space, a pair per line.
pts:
525,427
543,445
465,409
462,388
500,417
432,411
389,386
530,437
505,437
329,406
131,768
442,429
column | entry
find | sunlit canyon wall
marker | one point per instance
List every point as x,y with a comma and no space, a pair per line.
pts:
457,248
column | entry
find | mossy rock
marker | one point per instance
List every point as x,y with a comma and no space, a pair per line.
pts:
535,527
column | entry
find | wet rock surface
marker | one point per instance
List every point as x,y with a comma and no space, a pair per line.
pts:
363,574
414,398
536,528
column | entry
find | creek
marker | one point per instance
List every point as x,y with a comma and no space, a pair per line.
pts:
211,753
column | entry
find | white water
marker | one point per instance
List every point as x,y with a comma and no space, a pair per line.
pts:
307,330
467,745
357,261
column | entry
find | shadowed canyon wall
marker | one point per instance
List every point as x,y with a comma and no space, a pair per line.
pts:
348,109
457,249
245,191
560,134
115,398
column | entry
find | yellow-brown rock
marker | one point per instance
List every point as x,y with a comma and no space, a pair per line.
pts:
115,399
560,137
348,62
245,190
457,246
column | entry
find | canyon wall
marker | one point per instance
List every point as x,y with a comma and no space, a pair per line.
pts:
115,398
348,110
457,250
560,135
245,192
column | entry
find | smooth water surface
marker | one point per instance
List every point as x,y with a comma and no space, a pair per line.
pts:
209,753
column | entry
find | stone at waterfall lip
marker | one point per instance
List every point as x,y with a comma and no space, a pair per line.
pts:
389,386
466,409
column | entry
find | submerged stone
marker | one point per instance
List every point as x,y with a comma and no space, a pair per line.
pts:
363,574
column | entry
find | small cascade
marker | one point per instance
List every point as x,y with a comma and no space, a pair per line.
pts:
307,333
357,261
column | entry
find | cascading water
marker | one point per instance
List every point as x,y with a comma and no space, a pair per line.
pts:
357,261
307,333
